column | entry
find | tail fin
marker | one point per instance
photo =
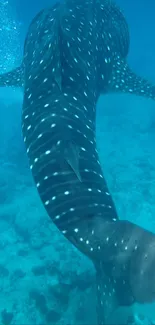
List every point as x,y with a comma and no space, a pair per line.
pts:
123,79
106,298
13,78
125,265
112,293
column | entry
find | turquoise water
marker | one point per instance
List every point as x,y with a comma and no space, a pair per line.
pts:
44,279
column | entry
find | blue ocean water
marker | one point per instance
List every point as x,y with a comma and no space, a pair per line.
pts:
43,279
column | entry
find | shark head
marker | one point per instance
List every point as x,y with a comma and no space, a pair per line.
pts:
73,52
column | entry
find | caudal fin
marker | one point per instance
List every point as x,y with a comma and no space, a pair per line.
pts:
13,78
112,293
125,265
123,79
106,297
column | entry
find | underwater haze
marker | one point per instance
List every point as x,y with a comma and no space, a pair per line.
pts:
43,278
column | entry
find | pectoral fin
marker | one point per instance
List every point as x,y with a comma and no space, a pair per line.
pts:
123,79
13,78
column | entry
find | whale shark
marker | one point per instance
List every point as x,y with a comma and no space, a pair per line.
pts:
74,52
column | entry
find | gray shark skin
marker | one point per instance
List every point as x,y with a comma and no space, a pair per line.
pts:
115,74
73,52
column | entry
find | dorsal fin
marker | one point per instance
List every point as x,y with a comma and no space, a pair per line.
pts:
72,154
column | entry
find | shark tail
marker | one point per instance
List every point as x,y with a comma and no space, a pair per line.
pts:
13,78
123,79
106,299
125,267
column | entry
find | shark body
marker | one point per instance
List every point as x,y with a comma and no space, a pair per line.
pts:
74,52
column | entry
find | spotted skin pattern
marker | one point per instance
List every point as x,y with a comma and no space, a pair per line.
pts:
73,52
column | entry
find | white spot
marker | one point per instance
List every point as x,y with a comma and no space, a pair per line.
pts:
66,193
47,152
55,174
